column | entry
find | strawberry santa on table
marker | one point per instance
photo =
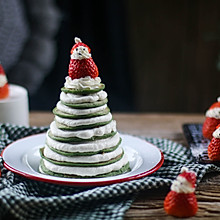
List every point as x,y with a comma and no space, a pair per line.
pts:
81,62
181,200
212,119
214,145
4,89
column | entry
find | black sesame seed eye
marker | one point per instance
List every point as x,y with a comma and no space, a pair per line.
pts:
83,48
76,49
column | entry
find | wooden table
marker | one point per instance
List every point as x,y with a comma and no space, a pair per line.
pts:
149,204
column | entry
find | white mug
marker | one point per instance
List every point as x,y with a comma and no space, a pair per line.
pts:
15,108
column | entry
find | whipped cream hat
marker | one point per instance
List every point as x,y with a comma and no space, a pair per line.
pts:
78,43
190,176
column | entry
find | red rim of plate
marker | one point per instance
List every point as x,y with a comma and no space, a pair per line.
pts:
88,183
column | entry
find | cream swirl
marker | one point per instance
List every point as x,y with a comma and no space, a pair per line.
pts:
3,80
213,113
181,185
216,133
74,111
82,159
82,83
86,171
81,53
93,146
76,99
84,134
85,121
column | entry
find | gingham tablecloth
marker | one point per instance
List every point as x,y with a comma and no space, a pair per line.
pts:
29,199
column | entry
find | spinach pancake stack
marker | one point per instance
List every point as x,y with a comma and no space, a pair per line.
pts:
82,141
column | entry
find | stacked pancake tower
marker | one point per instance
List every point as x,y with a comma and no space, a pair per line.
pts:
82,141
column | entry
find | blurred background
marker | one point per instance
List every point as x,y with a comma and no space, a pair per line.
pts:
152,55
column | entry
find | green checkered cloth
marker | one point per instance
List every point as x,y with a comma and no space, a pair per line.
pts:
28,199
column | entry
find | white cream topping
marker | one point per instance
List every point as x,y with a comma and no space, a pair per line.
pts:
218,99
85,121
213,113
82,159
181,185
86,171
76,99
82,83
74,111
91,146
84,134
216,133
80,53
3,80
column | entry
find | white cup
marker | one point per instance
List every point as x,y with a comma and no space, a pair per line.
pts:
15,108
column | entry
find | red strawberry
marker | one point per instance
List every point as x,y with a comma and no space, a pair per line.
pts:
82,68
214,146
215,105
214,149
180,204
209,127
181,200
210,123
81,63
4,89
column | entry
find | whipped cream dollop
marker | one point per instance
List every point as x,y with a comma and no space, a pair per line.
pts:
85,121
84,134
86,171
80,53
77,99
3,80
82,83
181,185
92,146
216,133
213,113
82,159
73,111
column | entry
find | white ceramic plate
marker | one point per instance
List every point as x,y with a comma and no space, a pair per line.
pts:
22,157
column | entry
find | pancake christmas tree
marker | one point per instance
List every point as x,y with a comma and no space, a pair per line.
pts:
82,141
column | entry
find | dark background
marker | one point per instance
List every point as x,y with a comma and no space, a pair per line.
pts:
102,26
153,56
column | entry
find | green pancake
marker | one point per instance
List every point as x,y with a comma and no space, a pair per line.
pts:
81,127
86,104
76,139
71,164
91,115
69,154
126,168
85,91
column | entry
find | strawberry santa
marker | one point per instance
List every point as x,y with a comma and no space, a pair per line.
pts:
214,145
181,200
81,63
4,89
212,119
